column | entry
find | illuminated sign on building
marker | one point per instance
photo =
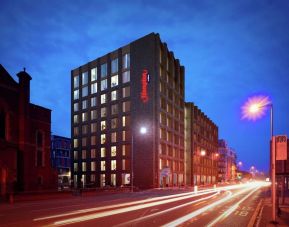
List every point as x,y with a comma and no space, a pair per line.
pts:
144,83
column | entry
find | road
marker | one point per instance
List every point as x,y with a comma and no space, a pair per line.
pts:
232,205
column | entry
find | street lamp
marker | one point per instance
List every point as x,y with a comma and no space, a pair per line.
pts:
253,109
143,130
203,152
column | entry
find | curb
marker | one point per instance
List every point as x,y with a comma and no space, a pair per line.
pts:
256,215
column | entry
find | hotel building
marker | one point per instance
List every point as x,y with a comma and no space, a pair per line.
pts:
128,118
201,147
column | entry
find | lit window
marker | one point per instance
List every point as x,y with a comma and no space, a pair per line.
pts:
93,153
126,61
102,180
126,106
125,92
102,152
113,95
75,106
113,151
76,94
103,112
114,123
93,101
124,135
93,74
103,125
103,70
102,138
102,165
103,85
75,119
114,81
75,143
75,131
84,117
84,78
75,166
113,137
114,65
93,114
113,164
76,81
113,179
125,121
84,91
92,166
125,150
75,155
83,166
93,88
125,76
114,109
93,127
84,104
125,164
103,99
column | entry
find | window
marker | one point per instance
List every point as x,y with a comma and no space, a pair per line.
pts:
114,65
84,78
113,165
83,166
114,81
102,180
93,72
84,117
93,140
126,106
75,119
92,176
125,92
114,123
75,166
93,114
83,154
39,150
124,135
76,94
125,121
93,88
113,179
103,98
125,150
75,131
93,127
84,104
102,165
113,151
126,61
113,95
103,69
75,142
103,125
125,76
75,155
84,91
102,138
84,129
84,142
102,152
92,166
125,164
113,137
103,112
114,109
93,153
103,85
93,101
76,81
75,107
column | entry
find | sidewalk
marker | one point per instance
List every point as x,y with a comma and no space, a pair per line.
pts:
265,214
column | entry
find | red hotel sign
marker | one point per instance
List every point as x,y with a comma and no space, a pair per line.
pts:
144,86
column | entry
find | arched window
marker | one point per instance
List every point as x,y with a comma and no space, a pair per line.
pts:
2,125
39,149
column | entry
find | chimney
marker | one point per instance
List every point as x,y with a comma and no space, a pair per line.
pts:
24,86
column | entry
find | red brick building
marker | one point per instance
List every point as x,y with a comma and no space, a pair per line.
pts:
24,138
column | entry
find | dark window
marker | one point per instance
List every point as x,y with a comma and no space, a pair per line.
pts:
2,125
39,139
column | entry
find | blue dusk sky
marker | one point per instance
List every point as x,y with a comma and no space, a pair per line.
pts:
230,50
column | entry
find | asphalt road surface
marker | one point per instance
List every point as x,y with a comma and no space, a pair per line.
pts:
232,205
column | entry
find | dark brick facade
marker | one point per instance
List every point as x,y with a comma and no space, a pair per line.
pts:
24,138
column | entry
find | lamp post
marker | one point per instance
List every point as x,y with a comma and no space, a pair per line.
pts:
143,130
253,109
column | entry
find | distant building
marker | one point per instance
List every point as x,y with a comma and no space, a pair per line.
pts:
140,85
60,158
227,162
201,147
24,138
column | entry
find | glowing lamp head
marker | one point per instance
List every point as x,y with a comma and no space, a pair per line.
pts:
143,130
255,107
203,152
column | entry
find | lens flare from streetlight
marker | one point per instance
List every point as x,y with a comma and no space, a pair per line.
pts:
255,107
